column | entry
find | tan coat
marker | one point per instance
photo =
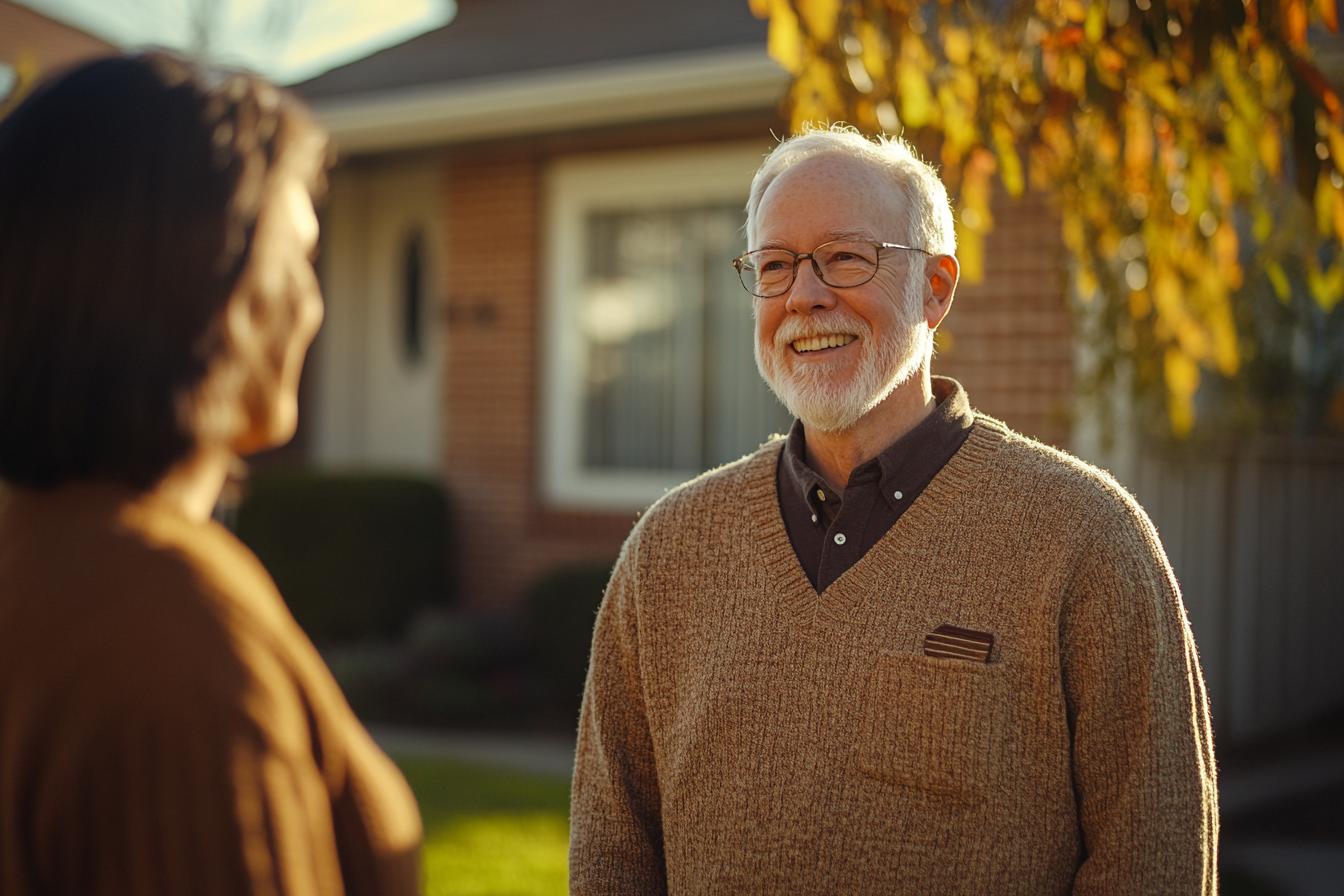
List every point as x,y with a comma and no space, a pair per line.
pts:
743,734
166,727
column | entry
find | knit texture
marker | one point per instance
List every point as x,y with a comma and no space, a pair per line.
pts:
166,727
743,734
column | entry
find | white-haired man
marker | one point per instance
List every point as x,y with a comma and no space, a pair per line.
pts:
905,650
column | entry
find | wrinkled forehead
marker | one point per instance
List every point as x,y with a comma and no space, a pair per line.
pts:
856,196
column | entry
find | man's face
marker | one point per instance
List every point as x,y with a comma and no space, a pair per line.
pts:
877,332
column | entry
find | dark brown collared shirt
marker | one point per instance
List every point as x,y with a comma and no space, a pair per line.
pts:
831,532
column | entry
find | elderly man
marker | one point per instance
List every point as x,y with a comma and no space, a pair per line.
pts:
906,650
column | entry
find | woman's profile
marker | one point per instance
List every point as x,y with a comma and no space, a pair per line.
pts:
165,726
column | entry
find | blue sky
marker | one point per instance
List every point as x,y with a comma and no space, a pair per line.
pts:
287,40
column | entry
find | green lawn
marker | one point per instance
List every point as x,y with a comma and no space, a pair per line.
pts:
490,832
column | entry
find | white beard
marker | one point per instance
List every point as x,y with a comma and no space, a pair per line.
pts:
820,394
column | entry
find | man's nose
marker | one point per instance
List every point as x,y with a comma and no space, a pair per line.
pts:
809,294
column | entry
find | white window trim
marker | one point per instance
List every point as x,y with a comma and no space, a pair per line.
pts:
574,188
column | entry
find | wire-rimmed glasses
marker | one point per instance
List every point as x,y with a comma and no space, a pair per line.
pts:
768,273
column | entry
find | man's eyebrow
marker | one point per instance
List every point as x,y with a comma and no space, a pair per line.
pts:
864,235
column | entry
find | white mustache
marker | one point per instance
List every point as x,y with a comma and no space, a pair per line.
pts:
823,323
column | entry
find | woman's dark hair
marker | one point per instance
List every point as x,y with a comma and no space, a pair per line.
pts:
129,193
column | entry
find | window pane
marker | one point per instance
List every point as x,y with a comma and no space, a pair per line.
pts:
670,382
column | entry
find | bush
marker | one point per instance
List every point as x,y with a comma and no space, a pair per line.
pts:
561,610
353,555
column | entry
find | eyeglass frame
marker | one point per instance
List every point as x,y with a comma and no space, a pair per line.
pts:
816,268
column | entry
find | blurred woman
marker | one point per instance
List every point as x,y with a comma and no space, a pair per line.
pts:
165,726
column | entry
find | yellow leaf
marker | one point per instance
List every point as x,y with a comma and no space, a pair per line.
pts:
875,50
1138,147
1094,28
1325,204
1166,286
1010,164
1108,145
1279,280
956,45
815,95
1182,378
912,83
785,41
820,17
1085,282
1226,248
1072,74
1224,331
970,253
1262,224
1140,303
1271,146
1326,287
1336,139
1075,235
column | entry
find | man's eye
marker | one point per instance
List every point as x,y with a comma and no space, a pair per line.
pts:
771,265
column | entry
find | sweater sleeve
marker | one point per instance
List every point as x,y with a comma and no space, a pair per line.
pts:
1142,744
616,838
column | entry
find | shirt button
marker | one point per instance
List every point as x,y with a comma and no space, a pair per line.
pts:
821,495
899,496
839,538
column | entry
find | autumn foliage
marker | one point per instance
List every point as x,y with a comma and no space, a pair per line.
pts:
1170,134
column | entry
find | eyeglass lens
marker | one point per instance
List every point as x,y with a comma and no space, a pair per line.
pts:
770,272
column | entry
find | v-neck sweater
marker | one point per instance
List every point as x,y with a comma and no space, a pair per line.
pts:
743,734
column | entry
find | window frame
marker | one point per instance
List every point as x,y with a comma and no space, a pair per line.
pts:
576,186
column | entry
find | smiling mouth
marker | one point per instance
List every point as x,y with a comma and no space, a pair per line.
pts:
817,343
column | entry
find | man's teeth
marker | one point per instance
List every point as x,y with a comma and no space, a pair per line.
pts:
817,343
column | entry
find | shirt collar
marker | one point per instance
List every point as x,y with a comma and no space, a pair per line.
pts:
912,460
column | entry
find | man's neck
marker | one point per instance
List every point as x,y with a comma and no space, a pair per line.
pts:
834,455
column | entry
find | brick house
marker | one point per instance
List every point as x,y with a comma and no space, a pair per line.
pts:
526,259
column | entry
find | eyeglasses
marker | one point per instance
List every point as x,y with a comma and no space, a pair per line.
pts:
768,273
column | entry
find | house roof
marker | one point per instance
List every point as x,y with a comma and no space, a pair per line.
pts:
511,67
490,38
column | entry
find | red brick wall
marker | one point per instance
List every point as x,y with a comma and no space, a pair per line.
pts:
1009,346
1008,339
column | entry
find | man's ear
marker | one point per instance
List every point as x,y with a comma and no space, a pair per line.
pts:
942,273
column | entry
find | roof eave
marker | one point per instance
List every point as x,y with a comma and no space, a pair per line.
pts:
739,78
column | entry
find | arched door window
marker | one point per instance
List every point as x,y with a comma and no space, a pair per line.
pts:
413,297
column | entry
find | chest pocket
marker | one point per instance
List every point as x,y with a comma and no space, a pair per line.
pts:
935,724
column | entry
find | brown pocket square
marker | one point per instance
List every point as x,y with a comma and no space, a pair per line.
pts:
953,642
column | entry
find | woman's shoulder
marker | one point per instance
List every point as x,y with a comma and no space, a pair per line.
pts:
123,601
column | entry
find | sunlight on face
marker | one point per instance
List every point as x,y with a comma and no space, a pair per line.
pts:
880,324
283,308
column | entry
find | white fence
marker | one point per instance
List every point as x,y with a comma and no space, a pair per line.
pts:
1256,536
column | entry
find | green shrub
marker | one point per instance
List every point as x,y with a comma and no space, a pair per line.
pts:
354,555
561,610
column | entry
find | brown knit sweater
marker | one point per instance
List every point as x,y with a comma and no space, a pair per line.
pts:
743,734
166,727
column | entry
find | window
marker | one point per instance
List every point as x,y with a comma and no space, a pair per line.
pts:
649,377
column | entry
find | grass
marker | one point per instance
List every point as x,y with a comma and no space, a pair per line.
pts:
490,832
